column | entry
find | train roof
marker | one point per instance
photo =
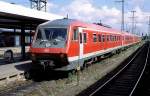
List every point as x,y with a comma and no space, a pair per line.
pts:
67,22
57,23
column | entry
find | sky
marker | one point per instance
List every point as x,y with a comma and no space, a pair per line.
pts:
106,11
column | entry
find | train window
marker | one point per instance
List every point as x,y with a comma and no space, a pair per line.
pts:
103,38
84,37
75,35
110,37
39,35
52,33
94,38
114,38
99,38
107,37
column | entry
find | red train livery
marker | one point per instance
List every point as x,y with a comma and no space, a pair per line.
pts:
64,44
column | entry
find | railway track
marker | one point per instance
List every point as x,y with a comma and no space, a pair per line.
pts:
125,81
143,86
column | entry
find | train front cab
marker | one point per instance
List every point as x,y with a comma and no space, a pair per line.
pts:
49,46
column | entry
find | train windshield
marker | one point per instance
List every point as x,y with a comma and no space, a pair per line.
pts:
52,37
52,33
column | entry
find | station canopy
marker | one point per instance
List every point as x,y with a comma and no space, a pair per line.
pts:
15,16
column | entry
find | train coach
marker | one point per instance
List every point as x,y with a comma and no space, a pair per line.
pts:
64,44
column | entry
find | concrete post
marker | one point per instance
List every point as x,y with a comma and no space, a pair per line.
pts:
23,41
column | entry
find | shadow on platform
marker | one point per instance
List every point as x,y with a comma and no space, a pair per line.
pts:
39,75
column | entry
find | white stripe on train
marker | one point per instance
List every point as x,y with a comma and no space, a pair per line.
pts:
74,58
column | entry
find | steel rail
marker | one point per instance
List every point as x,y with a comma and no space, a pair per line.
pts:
117,73
133,90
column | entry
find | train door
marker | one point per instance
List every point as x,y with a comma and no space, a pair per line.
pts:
80,30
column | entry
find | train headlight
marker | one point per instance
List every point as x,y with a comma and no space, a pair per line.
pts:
62,55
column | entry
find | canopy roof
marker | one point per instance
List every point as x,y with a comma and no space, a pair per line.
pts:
13,16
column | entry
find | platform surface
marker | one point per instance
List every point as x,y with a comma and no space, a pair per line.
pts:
14,68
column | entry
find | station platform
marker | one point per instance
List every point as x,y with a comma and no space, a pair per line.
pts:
16,58
13,69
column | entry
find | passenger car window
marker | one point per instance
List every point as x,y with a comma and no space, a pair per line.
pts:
75,35
94,38
103,38
39,35
99,38
107,37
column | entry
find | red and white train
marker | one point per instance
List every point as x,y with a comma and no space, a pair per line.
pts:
64,44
